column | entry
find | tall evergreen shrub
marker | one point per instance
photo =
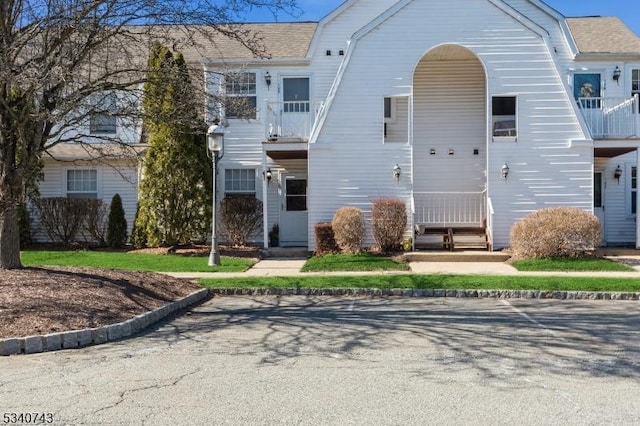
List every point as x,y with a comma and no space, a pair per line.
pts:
117,224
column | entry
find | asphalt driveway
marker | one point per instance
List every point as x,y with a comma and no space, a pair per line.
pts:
326,360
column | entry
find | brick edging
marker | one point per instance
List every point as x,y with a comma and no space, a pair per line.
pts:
496,294
95,336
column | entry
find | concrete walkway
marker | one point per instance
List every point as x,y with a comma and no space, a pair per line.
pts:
291,267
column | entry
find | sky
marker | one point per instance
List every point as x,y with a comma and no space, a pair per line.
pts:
627,10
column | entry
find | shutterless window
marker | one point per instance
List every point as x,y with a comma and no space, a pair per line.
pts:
102,119
82,184
240,90
597,190
240,181
504,116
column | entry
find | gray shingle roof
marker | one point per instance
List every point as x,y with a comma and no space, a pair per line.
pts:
606,34
280,40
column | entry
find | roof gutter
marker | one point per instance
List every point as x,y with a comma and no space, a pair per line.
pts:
217,63
606,56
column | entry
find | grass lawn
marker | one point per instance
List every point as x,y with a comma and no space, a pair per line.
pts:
568,264
353,262
464,282
131,261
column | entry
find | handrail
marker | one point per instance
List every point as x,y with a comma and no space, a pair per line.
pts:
609,118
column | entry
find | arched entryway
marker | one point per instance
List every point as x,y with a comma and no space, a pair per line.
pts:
449,138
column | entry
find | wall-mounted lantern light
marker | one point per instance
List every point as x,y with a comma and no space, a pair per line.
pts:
616,75
268,175
267,79
397,171
504,171
617,173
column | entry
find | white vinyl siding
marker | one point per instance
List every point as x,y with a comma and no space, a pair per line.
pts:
450,119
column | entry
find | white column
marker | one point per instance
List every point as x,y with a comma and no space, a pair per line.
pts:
265,202
637,202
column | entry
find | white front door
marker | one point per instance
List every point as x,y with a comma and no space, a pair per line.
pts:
598,202
294,215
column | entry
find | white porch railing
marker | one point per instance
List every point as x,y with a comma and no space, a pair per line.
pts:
490,213
611,118
450,208
289,120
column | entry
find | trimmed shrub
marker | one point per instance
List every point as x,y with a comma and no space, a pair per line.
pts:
61,218
348,229
117,224
389,221
240,218
325,240
555,232
95,221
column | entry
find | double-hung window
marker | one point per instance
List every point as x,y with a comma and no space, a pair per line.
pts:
241,96
102,119
239,182
82,183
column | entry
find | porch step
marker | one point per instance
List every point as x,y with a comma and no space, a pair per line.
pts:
457,256
287,252
452,237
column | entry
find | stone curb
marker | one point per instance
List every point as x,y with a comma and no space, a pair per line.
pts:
374,292
96,336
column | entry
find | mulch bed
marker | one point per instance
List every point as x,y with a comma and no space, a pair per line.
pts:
40,301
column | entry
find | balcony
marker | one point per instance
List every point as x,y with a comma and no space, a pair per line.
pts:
290,122
611,118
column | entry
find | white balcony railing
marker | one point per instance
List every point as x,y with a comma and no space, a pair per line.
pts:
450,208
290,120
611,118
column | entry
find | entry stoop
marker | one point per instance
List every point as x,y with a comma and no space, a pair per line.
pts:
457,256
287,252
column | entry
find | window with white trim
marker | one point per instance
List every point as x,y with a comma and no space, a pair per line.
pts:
587,90
82,183
504,116
241,95
102,119
240,181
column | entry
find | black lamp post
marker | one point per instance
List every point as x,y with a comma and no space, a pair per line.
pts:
215,143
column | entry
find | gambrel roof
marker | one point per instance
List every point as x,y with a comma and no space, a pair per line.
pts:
603,34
